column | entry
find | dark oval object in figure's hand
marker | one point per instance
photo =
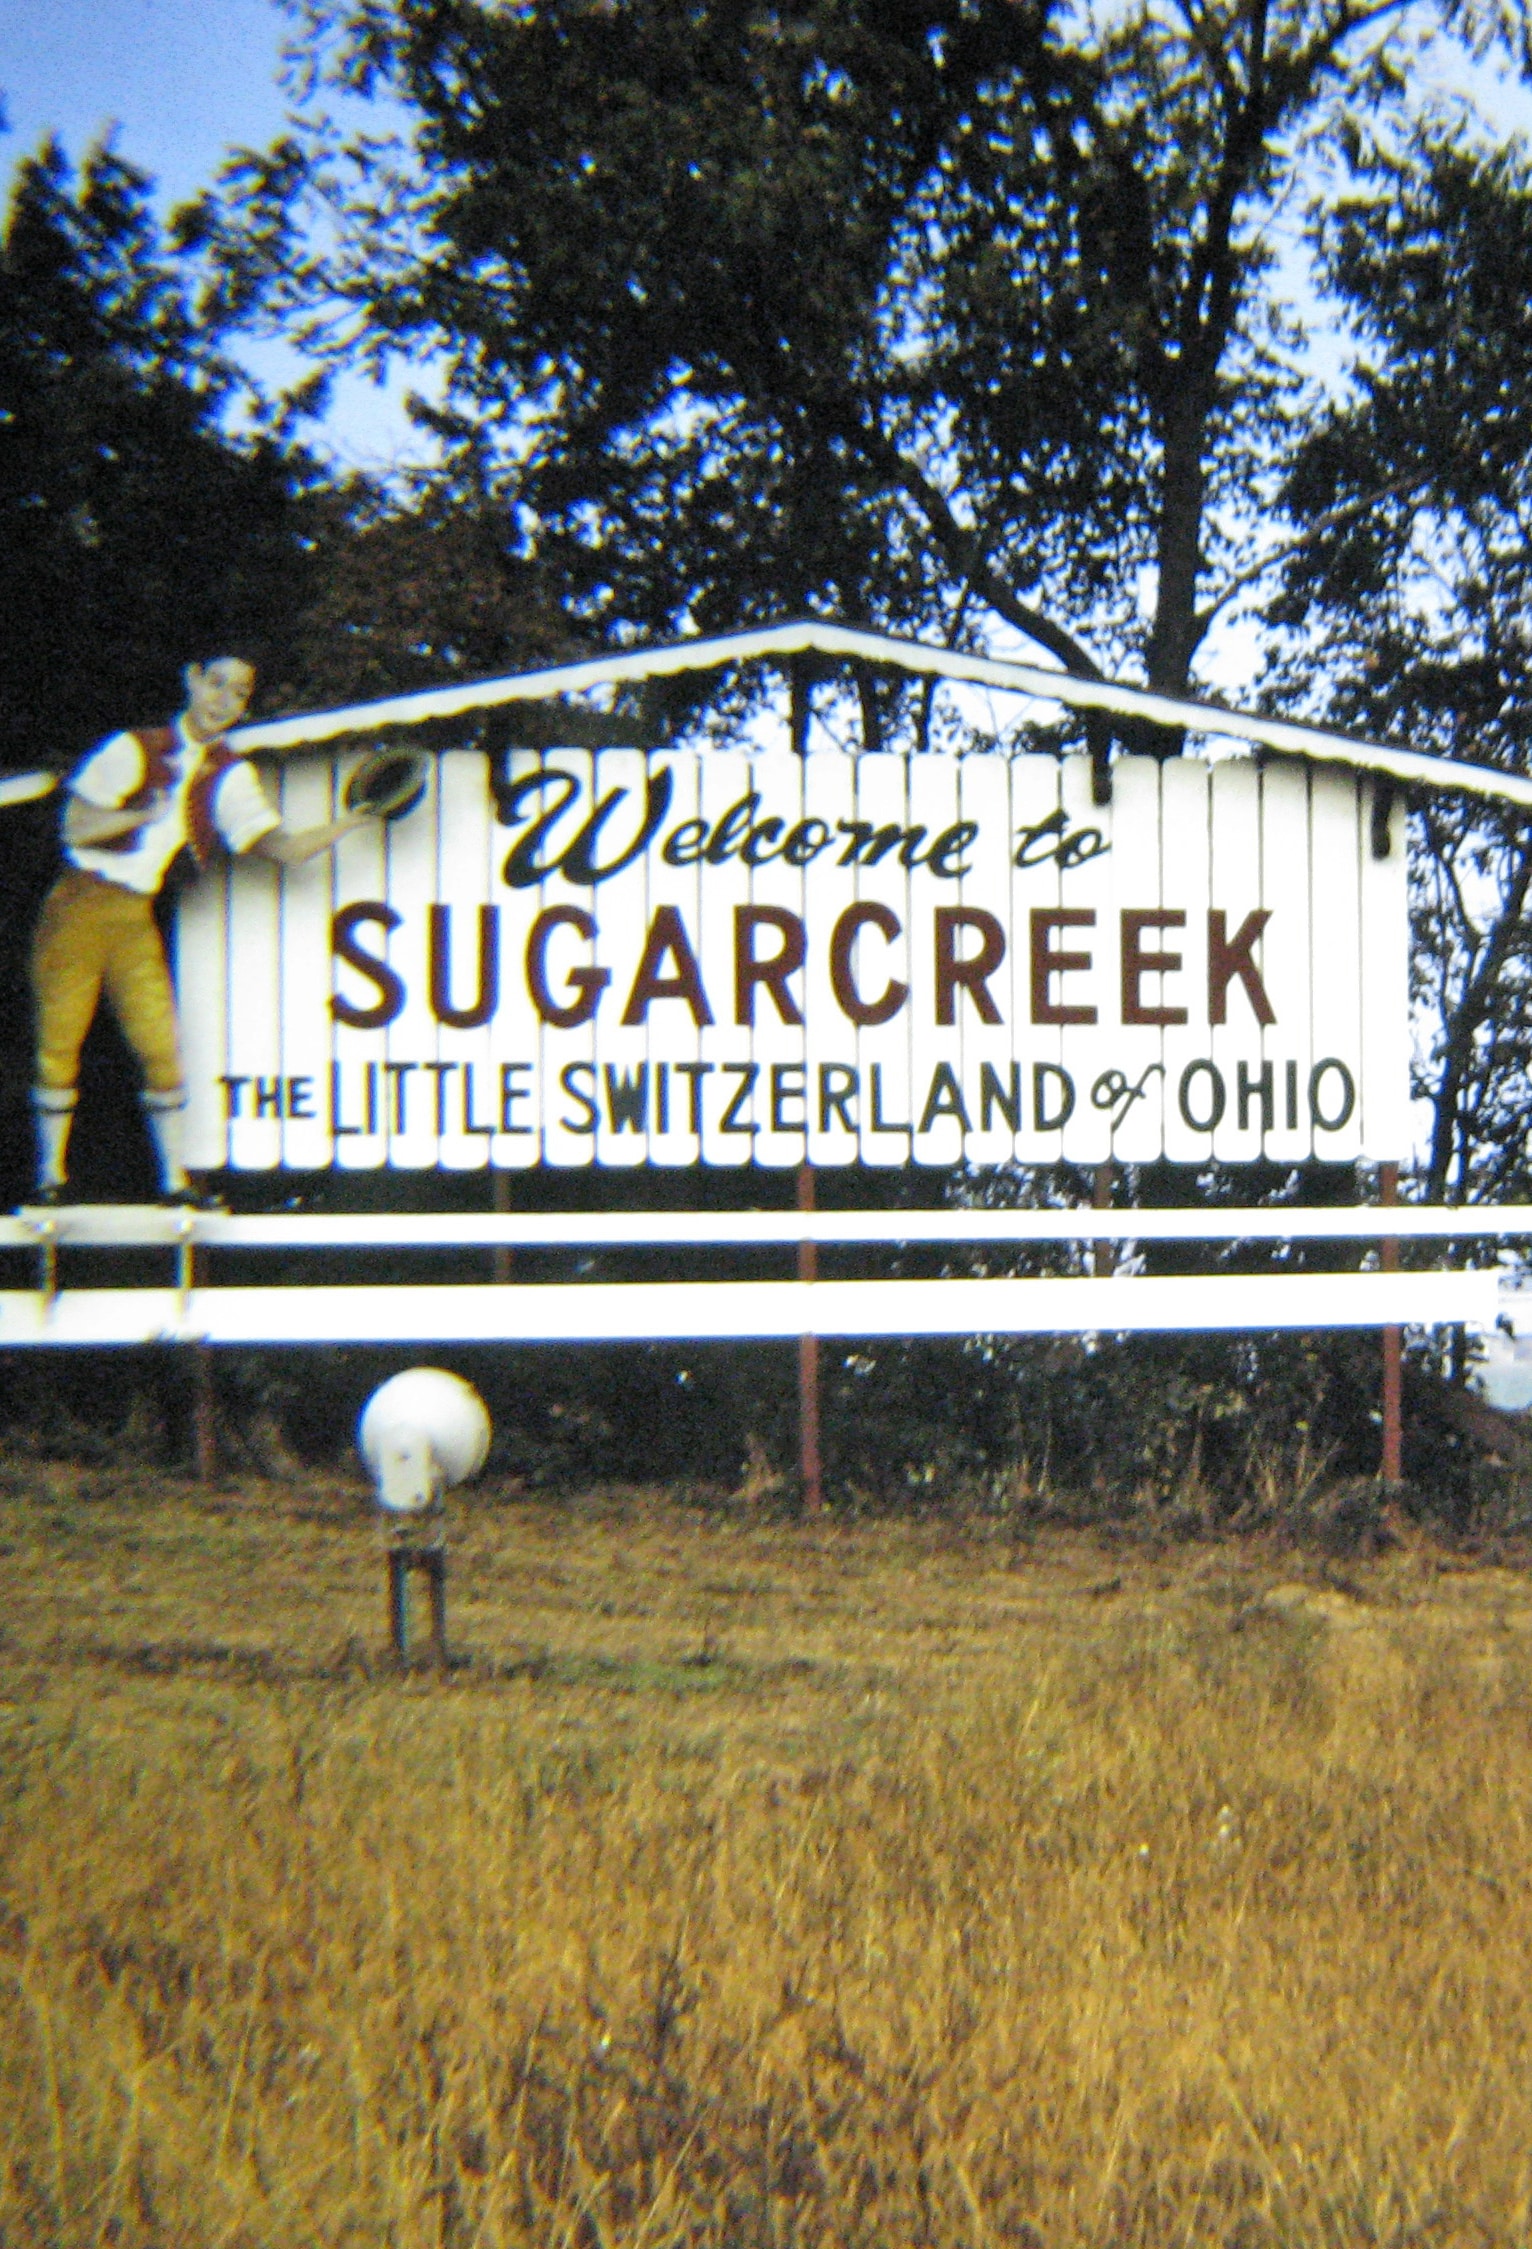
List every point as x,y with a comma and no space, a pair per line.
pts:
388,783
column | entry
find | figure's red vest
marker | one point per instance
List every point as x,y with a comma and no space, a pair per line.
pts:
158,744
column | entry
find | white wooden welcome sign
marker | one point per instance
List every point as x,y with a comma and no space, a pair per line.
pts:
733,957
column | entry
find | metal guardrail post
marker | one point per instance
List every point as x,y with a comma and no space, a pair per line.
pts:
1393,1345
810,1461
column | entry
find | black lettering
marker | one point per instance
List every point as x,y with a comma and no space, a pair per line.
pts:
1317,1076
803,844
880,1123
838,1088
627,1098
578,863
522,869
945,1099
868,845
511,1093
694,1073
1054,839
753,850
992,1096
471,1123
782,1092
1042,1119
945,856
1248,1089
1218,1096
586,1100
747,1073
731,830
441,1071
400,1073
337,1124
684,844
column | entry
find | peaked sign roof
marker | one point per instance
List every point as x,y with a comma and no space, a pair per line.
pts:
814,637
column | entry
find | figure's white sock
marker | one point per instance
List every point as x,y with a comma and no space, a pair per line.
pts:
53,1108
165,1114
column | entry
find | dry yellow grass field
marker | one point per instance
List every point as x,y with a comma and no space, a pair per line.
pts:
752,1883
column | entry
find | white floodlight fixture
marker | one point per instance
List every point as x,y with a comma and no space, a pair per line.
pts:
420,1433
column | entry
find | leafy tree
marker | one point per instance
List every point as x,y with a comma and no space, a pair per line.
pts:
131,526
407,591
131,523
936,313
1415,607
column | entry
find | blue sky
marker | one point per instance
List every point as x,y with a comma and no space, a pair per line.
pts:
182,83
183,80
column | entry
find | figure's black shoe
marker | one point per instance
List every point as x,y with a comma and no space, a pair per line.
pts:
191,1198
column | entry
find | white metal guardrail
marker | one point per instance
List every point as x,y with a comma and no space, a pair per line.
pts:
197,1310
146,1225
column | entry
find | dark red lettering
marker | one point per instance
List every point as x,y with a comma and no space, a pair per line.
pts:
1230,957
1046,963
667,939
773,972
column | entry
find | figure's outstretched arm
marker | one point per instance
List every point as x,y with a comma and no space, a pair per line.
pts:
88,824
289,847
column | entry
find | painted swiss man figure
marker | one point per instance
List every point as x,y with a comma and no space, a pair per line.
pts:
132,807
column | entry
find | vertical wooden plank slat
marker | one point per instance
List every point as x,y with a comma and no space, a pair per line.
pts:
1235,890
936,1049
620,902
569,1140
307,1142
1138,885
463,886
983,800
1088,1049
1285,950
255,1013
836,1094
1186,875
885,1051
1034,786
1385,1056
1335,847
412,1093
778,1047
359,875
675,1039
730,1104
202,989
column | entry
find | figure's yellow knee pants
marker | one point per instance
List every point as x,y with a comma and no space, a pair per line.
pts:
95,937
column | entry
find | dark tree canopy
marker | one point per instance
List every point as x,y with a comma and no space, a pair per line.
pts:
1415,610
131,525
929,313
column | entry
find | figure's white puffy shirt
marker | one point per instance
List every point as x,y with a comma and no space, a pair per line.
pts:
241,811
